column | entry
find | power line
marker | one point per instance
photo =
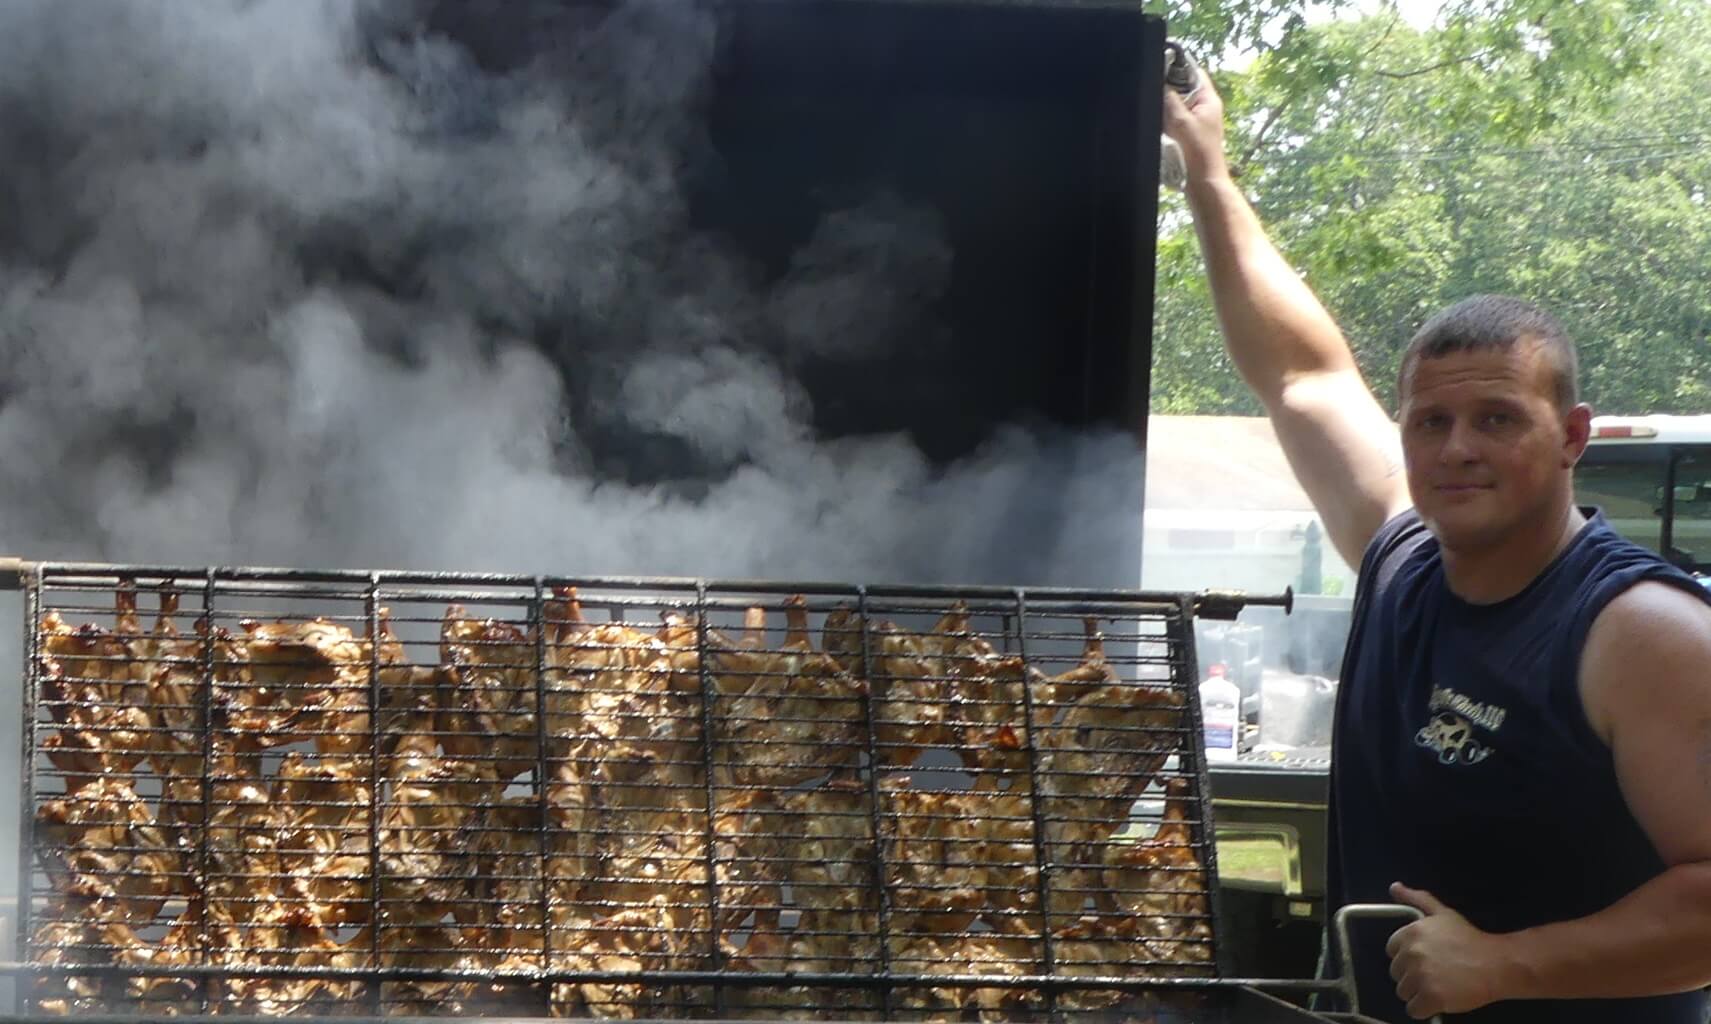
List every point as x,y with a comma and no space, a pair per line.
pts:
1662,143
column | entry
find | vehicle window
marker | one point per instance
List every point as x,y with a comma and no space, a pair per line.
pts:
1627,482
1692,534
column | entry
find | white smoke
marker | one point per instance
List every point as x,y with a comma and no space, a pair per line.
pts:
284,282
197,365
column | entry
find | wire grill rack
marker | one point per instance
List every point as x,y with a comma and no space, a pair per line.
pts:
264,792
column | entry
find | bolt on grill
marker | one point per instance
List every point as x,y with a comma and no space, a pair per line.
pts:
265,792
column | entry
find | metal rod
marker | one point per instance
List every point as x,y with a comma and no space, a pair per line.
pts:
15,573
1036,794
376,914
738,979
32,581
1179,634
95,573
205,718
875,798
708,739
543,782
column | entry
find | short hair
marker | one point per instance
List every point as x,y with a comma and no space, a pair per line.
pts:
1487,323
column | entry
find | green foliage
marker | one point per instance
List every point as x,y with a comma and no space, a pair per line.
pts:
1561,152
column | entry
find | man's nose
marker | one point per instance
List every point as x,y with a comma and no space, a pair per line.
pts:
1461,445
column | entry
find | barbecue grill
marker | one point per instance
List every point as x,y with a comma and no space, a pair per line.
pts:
262,792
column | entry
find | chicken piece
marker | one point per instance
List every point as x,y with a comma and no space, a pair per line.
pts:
244,871
643,759
633,940
656,863
489,674
910,680
573,844
276,936
989,955
750,840
955,857
152,994
307,680
503,913
67,937
1092,672
1153,915
988,698
95,685
175,701
299,939
831,870
322,805
175,694
787,715
431,945
930,861
588,663
101,844
1102,946
1160,885
1101,755
426,855
1101,744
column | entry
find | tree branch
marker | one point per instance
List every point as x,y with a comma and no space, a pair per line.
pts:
1259,139
1428,69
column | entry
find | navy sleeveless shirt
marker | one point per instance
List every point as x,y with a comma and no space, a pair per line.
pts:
1464,763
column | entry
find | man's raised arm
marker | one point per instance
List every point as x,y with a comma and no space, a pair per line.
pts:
1340,443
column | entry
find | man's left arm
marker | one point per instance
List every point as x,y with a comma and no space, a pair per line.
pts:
1646,684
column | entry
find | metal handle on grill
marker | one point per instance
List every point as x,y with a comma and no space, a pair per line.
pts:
1363,912
12,572
1225,605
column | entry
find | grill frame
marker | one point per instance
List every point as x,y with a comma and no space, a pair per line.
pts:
1174,611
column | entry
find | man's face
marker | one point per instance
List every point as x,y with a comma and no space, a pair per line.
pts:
1490,455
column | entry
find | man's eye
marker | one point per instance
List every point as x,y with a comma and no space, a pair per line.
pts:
1498,419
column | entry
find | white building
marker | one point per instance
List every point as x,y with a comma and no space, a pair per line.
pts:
1223,510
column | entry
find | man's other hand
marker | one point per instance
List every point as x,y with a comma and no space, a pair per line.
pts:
1199,130
1441,963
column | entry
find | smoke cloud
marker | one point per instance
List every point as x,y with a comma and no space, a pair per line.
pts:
299,283
295,282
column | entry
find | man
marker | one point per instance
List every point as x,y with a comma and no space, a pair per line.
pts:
1523,737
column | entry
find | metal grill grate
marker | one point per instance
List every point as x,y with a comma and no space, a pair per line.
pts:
605,797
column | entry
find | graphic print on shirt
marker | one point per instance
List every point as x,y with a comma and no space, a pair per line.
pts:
1451,733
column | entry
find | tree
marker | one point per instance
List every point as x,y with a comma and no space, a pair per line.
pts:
1555,151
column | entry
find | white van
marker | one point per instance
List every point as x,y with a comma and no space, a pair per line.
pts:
1652,477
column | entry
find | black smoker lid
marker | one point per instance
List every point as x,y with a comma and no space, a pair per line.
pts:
1023,124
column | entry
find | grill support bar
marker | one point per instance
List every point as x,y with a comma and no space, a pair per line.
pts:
1042,857
875,805
704,683
1180,632
543,777
27,786
206,715
375,919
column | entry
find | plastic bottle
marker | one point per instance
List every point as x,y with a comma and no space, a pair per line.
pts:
1220,715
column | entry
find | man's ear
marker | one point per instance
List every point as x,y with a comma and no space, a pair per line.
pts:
1577,431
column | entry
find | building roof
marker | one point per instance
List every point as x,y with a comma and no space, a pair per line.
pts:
1230,463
